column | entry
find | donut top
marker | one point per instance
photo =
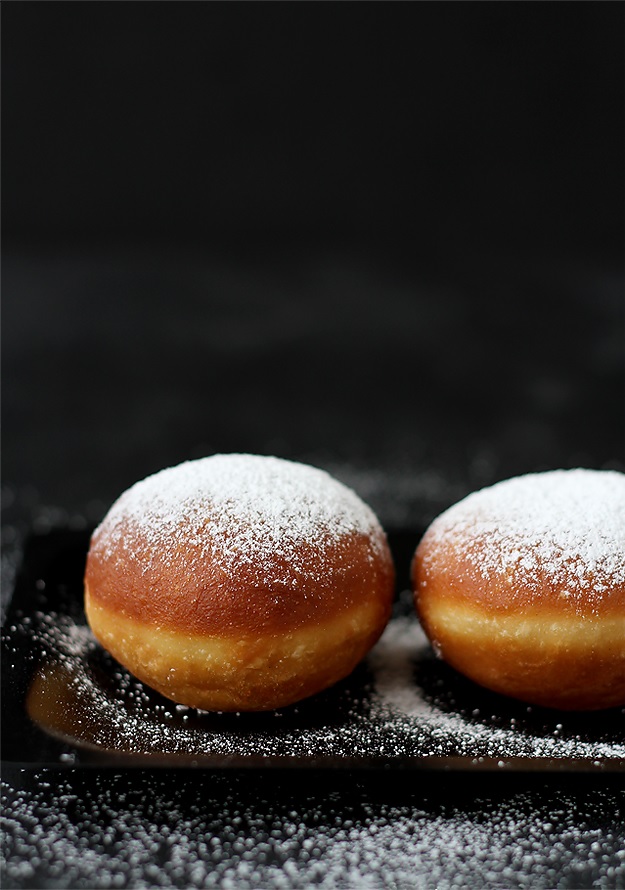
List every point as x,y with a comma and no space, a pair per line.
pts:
262,513
559,532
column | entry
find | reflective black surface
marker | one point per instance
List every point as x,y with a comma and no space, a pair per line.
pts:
66,700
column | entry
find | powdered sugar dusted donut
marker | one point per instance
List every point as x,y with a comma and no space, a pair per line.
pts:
239,582
521,587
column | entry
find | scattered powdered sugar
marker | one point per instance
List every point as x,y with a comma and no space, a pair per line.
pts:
249,509
381,714
276,829
203,830
566,525
397,693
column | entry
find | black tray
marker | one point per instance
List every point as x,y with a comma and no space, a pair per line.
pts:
67,702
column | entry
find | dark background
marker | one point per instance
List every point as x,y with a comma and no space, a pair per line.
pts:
384,238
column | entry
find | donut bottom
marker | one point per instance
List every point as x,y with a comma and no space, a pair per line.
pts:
555,661
238,673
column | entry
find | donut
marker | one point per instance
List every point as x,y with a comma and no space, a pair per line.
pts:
239,582
521,588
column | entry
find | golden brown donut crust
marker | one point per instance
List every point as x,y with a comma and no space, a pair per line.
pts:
188,589
239,582
521,609
239,672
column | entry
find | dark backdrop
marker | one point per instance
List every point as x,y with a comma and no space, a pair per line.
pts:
438,125
385,238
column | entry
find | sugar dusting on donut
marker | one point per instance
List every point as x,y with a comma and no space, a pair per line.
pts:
248,509
565,526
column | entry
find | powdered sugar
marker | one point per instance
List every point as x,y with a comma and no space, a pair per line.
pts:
205,830
383,714
267,828
248,509
567,526
458,732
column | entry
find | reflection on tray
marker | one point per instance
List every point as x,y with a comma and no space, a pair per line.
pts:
401,707
89,699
